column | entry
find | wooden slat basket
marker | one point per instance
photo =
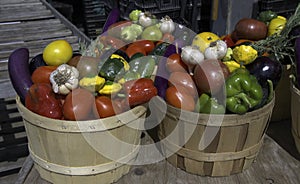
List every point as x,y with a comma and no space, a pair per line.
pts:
295,105
95,151
211,145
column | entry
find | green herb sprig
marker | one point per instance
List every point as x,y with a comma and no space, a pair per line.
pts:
281,45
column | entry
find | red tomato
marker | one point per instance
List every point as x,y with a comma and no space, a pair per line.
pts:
42,100
133,49
42,74
104,107
168,37
147,45
120,105
78,105
185,80
178,96
175,64
228,40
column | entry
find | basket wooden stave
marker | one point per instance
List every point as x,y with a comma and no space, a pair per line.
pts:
70,152
234,148
295,105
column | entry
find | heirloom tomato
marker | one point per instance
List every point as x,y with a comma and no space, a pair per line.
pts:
78,105
57,52
104,107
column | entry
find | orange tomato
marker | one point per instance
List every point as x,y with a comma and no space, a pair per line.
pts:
147,45
178,96
175,64
242,41
42,74
185,80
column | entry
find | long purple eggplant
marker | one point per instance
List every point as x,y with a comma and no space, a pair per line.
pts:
113,17
297,54
162,75
19,73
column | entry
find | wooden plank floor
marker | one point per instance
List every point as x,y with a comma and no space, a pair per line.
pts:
31,24
273,165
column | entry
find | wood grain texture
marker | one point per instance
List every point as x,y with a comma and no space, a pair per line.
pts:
31,24
273,165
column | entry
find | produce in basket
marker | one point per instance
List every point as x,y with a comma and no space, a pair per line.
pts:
260,56
109,73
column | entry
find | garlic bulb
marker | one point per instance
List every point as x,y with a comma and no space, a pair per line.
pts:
216,50
191,56
64,79
167,25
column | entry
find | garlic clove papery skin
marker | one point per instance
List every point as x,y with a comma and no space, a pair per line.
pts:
216,50
191,56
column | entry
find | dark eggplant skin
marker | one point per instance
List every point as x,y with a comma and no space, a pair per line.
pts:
36,62
18,69
162,75
297,59
112,18
264,68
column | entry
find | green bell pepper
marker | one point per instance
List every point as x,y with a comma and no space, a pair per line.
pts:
267,16
242,92
129,75
143,65
208,105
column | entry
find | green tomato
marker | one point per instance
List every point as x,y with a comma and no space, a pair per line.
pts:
152,33
57,52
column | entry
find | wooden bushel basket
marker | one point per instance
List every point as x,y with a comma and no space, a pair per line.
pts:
295,105
212,145
72,151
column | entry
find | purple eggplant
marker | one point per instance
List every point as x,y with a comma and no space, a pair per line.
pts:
36,62
112,18
297,59
268,73
264,68
19,73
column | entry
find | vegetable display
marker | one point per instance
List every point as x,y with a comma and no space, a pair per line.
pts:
137,59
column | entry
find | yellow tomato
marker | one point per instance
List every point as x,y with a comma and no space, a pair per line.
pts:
57,52
276,25
203,39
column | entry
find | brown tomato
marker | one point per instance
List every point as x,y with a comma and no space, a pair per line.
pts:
210,75
179,97
78,105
